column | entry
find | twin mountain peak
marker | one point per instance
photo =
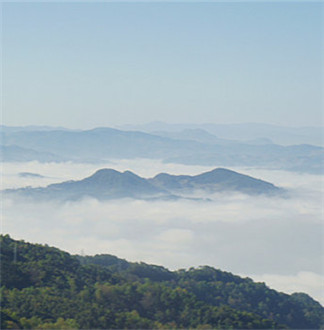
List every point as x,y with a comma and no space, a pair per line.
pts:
111,184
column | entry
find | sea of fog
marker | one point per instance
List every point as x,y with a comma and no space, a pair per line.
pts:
278,241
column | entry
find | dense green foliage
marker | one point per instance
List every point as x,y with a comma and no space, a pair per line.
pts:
43,287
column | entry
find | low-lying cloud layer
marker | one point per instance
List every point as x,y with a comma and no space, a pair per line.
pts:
301,282
276,240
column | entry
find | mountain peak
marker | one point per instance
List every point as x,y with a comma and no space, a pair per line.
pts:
106,171
108,183
218,179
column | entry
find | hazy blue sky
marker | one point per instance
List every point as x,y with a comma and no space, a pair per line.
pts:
105,64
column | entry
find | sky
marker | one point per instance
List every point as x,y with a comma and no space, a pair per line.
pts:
82,65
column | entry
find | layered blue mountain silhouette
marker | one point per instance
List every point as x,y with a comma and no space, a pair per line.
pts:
190,146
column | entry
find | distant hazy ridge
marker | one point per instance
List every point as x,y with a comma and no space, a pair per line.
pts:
189,146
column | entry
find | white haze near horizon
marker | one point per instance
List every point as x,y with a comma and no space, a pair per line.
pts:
275,240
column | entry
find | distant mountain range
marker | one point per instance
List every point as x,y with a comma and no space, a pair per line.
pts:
14,153
190,146
282,135
111,184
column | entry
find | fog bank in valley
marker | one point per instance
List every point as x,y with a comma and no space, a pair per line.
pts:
275,240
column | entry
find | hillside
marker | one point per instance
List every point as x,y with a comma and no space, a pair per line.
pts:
219,179
44,287
111,184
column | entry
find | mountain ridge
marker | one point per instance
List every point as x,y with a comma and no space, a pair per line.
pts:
196,147
112,184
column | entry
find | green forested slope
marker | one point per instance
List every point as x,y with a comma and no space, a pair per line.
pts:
43,287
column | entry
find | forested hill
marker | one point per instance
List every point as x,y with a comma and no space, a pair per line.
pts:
44,287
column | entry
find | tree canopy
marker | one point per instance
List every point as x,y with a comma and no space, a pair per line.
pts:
45,288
